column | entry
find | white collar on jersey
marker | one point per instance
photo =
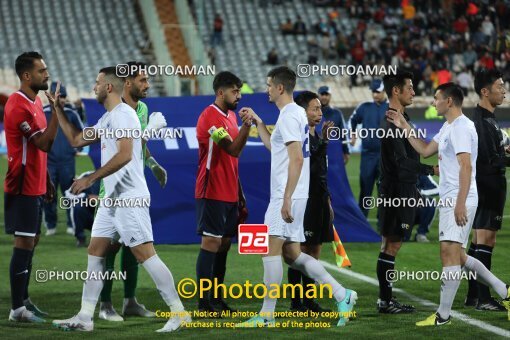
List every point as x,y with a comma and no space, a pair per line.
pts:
219,110
21,93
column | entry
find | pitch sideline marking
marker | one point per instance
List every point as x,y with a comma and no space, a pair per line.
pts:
474,322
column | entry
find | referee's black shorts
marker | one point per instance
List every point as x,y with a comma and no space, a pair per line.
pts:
396,219
317,227
23,214
216,218
491,202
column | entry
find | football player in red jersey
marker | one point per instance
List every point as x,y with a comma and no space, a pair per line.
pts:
29,138
218,193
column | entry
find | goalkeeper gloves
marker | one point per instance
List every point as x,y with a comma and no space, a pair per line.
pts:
157,170
156,122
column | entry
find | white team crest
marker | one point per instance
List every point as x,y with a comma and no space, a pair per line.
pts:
25,127
212,129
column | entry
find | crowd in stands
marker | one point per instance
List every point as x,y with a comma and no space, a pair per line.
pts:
439,41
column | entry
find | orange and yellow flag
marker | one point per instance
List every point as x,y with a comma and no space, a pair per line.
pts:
342,260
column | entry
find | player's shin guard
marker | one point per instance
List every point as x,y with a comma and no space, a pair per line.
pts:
164,281
92,287
385,264
484,276
314,270
273,273
18,271
129,265
449,287
484,255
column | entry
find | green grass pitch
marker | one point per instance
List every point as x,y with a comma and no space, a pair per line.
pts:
62,298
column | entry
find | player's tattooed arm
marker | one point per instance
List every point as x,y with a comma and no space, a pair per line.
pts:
247,113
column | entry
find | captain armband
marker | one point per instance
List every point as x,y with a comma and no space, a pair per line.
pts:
218,134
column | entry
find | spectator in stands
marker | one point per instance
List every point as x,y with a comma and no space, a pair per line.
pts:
443,76
488,29
287,27
321,27
479,38
217,37
299,26
61,162
332,114
211,53
326,46
313,51
486,61
341,47
470,58
272,57
409,12
369,115
465,81
461,25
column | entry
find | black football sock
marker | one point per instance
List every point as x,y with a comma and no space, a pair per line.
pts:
219,269
472,284
484,255
205,263
385,263
294,278
18,271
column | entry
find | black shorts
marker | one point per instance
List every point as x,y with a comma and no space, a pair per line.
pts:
491,202
216,218
23,214
395,221
316,221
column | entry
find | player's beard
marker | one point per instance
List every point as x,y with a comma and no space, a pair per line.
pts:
39,87
138,94
231,106
101,97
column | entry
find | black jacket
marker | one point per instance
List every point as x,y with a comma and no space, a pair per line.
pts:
318,166
491,158
400,163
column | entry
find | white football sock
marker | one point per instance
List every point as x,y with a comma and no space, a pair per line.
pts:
91,288
164,281
315,270
449,286
484,276
273,274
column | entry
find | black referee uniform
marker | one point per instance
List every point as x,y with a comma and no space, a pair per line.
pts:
490,171
317,226
491,164
400,169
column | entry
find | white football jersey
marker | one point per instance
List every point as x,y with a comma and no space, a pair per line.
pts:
292,126
129,181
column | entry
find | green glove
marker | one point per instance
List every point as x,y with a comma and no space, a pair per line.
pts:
157,171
